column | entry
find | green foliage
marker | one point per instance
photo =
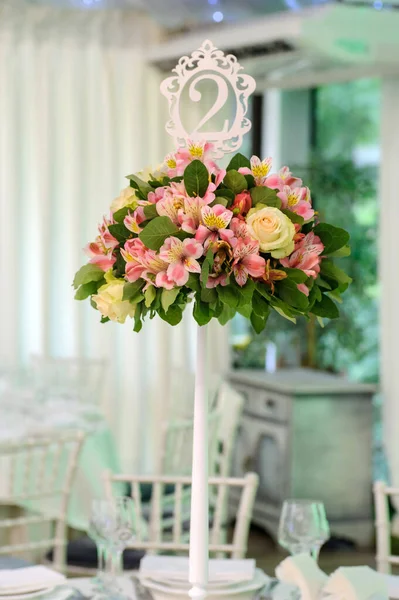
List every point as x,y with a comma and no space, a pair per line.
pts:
238,161
86,274
156,232
196,178
141,186
266,196
235,182
150,211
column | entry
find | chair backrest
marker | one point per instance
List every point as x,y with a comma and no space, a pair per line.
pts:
154,538
384,559
177,445
229,404
37,475
74,374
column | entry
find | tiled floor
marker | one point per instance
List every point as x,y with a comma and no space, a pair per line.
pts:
268,555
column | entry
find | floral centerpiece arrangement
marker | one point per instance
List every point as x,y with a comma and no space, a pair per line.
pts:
240,239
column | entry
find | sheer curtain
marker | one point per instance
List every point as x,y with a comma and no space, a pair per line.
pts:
79,110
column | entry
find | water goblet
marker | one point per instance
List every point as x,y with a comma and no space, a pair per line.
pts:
303,527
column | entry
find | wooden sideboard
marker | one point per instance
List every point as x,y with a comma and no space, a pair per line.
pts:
308,434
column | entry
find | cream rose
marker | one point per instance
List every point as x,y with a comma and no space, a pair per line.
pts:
272,229
109,300
127,197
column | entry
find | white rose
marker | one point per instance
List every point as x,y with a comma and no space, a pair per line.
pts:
127,197
109,301
272,229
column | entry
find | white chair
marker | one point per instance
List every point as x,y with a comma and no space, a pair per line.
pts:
384,559
75,375
37,476
155,539
229,404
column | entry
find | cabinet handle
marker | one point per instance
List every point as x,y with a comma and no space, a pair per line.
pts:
270,403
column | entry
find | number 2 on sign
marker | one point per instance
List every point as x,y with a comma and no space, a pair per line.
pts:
221,99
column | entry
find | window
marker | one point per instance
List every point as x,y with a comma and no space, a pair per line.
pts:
342,173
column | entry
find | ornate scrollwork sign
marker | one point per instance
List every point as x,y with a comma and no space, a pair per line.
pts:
233,89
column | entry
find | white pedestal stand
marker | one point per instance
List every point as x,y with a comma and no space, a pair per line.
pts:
199,522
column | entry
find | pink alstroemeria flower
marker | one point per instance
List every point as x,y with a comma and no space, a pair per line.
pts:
132,221
190,214
101,250
141,262
297,200
259,169
214,222
181,258
247,260
306,255
302,287
277,181
219,280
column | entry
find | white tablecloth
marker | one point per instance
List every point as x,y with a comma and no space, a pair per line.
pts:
23,418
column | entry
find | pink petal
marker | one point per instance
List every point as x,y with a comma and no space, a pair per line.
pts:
245,171
177,273
162,280
192,248
202,234
303,288
254,264
241,274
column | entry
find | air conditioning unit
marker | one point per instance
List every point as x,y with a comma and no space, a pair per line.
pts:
301,49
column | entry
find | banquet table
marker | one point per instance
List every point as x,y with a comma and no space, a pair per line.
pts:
24,419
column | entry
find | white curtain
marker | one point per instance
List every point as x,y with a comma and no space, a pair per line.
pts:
79,110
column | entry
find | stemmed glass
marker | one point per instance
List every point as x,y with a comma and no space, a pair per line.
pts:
303,527
112,527
97,532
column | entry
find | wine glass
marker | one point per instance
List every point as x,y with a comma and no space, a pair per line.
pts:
97,531
303,527
119,529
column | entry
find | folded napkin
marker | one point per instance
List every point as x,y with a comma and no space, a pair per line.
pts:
302,570
28,579
357,583
177,568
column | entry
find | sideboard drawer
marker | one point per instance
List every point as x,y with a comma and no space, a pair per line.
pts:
265,404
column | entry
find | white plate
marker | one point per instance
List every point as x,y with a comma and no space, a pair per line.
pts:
25,596
234,589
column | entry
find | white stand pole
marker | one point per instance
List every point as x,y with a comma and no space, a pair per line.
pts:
199,522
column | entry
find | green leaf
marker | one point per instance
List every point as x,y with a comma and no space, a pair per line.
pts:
266,196
238,161
225,193
227,295
260,306
325,308
245,311
331,271
281,312
132,291
220,200
207,266
137,318
120,214
235,182
104,319
120,232
264,290
258,323
295,274
142,186
88,289
289,293
173,316
209,295
202,312
227,313
342,252
156,232
320,282
86,274
150,295
150,211
333,238
250,179
314,296
244,294
196,178
168,297
293,217
193,282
